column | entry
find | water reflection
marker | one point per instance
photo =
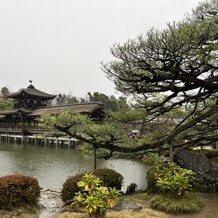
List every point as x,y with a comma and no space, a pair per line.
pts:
51,166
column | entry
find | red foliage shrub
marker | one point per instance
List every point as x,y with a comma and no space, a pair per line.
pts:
17,190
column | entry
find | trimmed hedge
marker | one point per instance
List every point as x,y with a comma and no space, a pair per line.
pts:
110,178
18,190
70,187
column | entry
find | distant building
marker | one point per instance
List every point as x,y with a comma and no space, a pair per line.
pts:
30,98
30,104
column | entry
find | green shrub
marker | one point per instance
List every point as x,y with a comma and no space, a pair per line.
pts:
153,159
152,176
70,187
18,190
95,197
187,204
131,189
156,165
175,180
110,178
169,178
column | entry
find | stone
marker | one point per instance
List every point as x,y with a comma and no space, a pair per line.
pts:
206,170
126,206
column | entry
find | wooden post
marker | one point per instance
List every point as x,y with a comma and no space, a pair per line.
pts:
22,138
95,158
171,153
69,143
216,143
56,142
8,137
35,140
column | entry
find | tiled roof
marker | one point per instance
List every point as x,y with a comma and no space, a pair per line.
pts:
80,108
32,91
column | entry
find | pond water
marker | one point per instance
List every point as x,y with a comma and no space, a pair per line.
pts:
51,166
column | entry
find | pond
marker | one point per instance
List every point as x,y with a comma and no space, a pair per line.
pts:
51,166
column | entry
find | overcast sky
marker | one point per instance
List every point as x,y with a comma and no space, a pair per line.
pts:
59,44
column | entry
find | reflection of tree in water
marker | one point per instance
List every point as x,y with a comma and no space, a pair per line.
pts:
51,166
35,160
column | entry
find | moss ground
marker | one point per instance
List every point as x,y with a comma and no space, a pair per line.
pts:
210,209
209,200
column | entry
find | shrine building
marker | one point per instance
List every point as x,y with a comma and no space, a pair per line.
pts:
30,104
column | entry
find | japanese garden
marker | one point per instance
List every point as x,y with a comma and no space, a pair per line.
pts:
151,152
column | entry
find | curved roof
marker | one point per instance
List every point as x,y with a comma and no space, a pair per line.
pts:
80,108
31,91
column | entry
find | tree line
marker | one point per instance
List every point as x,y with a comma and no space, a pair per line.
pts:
110,102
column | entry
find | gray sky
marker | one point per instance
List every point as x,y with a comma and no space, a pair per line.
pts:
59,44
